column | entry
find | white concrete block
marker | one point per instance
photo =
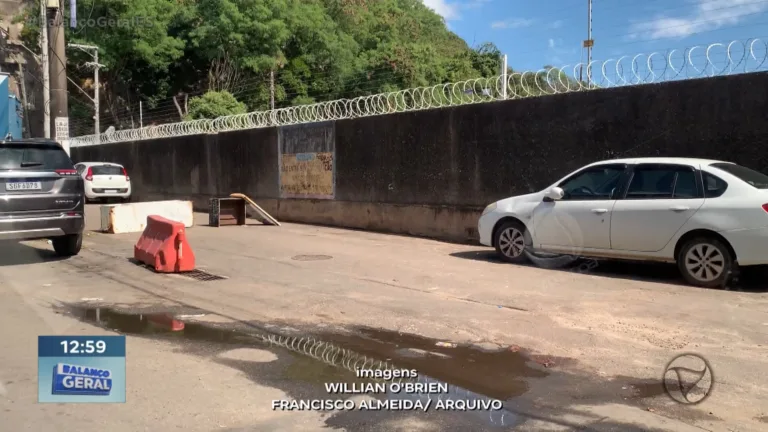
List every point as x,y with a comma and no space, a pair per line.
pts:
132,217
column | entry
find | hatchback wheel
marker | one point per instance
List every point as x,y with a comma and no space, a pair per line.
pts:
705,262
510,242
68,245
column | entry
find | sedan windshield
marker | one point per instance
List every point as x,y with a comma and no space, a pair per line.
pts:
750,176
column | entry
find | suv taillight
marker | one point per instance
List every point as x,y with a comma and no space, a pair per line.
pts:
89,174
66,172
125,173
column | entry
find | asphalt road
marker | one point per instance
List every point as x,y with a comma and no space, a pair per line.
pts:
563,349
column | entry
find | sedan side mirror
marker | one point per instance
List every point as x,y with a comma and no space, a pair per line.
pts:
554,194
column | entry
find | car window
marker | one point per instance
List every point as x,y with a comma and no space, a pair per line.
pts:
596,183
107,170
714,186
753,178
80,168
33,157
662,182
685,186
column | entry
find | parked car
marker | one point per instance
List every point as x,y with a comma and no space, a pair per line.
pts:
707,216
42,196
105,180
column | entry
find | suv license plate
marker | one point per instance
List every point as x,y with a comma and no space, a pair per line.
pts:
20,186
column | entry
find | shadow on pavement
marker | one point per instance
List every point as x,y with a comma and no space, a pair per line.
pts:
37,252
751,279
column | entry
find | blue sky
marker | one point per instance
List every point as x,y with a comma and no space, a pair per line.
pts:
550,32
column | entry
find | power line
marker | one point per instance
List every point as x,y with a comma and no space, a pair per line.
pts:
245,89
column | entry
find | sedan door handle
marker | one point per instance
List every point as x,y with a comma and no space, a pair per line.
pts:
679,208
599,211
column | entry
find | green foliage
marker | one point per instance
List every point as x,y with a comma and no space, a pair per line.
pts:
317,50
214,104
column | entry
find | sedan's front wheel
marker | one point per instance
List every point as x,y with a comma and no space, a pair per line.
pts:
705,262
510,242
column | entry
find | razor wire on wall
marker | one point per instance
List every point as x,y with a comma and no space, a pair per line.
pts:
702,61
336,356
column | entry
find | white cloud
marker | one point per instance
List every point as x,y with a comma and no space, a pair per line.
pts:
449,11
474,4
555,24
512,23
558,50
707,15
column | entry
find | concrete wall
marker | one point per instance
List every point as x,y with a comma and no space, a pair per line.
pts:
430,173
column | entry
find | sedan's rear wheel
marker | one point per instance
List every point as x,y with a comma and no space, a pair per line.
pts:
510,242
705,262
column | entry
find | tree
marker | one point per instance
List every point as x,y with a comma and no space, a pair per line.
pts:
486,59
214,104
316,50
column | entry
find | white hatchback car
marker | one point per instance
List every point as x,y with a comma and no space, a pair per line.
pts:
104,180
707,216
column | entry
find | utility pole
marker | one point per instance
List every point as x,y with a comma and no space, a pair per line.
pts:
272,89
45,65
93,51
504,76
24,98
591,44
58,71
96,116
588,44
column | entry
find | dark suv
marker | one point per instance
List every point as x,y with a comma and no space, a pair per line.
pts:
41,195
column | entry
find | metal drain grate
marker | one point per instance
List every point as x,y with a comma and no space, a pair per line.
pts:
311,257
202,275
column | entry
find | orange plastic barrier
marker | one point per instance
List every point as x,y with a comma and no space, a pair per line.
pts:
163,245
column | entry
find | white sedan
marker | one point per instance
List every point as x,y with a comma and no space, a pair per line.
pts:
104,180
707,216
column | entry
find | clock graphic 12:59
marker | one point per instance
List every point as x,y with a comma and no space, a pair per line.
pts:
83,347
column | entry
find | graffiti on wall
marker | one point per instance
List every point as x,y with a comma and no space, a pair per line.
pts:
307,161
307,175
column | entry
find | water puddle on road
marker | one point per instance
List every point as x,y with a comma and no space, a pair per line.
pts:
500,373
479,375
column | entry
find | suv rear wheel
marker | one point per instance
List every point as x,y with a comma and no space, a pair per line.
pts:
68,245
